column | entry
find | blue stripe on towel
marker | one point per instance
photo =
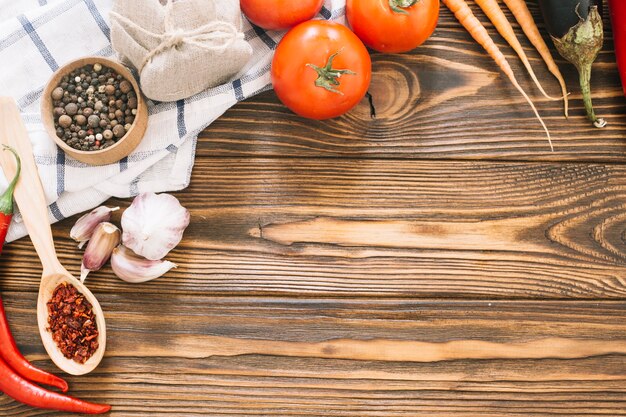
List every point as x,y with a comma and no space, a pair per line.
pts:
262,34
56,211
30,98
28,27
326,14
46,17
182,128
134,187
102,24
60,171
238,90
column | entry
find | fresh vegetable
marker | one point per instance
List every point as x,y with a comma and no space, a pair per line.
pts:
105,238
464,14
154,224
393,25
86,225
576,30
130,267
528,25
618,21
280,14
492,10
6,199
320,70
28,393
12,356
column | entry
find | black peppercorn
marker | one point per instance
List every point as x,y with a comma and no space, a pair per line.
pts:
71,109
92,107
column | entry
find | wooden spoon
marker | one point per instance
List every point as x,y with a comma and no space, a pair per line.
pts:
31,200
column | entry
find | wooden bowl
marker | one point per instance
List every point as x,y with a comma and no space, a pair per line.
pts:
124,146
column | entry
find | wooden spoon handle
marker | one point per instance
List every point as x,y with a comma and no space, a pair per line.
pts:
29,193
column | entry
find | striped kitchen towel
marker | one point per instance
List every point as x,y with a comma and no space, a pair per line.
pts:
38,36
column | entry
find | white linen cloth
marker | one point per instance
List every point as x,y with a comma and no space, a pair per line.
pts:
39,36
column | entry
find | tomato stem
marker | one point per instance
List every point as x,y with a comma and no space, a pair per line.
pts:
327,77
398,6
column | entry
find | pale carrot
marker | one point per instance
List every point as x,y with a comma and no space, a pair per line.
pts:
528,25
464,15
492,10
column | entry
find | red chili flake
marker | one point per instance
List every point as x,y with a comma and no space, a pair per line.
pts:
72,323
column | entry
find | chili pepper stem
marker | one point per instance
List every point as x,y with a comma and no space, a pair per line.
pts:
585,88
6,199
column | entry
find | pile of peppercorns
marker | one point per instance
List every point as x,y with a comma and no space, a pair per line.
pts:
94,107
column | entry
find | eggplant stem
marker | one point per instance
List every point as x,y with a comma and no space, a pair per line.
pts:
585,87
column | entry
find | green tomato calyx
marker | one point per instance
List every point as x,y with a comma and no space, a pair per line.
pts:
328,77
398,6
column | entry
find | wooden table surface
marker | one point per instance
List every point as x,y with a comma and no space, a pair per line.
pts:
437,260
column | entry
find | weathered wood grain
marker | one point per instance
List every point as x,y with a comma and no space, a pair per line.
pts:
360,267
148,369
372,228
446,100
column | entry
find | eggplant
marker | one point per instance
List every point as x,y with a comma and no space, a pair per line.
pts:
558,14
575,27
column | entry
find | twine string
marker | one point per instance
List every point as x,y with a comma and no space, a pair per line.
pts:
214,36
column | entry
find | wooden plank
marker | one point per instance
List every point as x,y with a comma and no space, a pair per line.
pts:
445,100
395,228
151,368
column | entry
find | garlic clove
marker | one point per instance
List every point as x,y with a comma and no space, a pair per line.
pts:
86,225
105,238
131,267
154,224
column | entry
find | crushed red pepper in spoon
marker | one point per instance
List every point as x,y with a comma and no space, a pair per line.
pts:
72,323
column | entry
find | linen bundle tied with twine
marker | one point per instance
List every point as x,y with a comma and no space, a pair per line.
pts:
180,48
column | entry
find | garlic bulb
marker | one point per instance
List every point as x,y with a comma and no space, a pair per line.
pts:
130,267
105,238
154,224
86,225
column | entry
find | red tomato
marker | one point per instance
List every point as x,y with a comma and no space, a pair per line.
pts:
393,25
321,69
280,14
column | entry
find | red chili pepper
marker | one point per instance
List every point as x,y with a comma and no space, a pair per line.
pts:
6,201
618,21
12,356
8,349
28,393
